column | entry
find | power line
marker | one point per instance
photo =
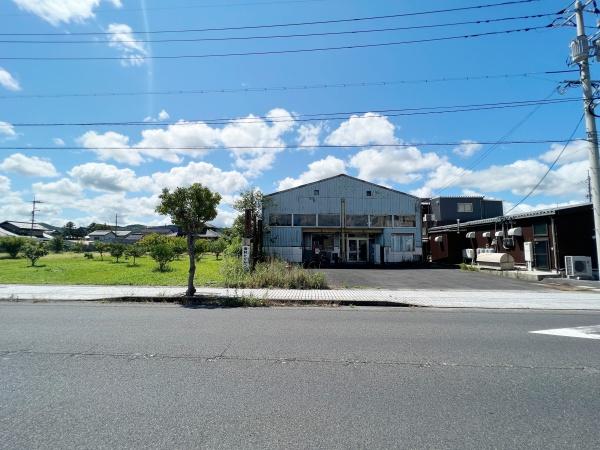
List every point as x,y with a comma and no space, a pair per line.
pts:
549,168
274,52
360,115
342,85
286,146
291,24
494,146
278,36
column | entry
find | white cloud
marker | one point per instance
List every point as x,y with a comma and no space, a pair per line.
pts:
104,177
467,148
59,194
257,135
7,129
4,184
224,182
401,165
28,166
518,177
59,142
111,145
317,170
62,11
163,115
575,151
133,52
368,129
309,135
7,81
167,144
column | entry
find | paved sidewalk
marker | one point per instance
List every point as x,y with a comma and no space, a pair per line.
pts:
561,300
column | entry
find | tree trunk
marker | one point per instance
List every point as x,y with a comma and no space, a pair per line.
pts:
191,290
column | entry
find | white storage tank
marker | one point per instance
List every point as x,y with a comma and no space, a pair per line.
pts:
496,261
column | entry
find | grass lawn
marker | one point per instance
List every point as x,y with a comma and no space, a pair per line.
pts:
74,268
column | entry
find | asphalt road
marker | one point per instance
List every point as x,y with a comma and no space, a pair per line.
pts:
152,376
441,278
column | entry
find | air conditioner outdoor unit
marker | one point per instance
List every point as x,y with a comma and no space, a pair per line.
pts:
578,267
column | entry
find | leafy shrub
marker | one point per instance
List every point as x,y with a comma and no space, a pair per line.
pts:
57,244
163,252
202,247
88,255
117,250
271,274
33,251
134,251
217,247
468,267
101,247
12,245
78,247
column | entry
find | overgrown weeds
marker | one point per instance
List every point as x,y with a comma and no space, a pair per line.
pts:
273,273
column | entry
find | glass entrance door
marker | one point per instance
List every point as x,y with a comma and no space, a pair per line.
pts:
358,250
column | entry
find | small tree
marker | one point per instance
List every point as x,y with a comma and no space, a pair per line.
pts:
57,244
134,251
190,208
101,248
202,247
179,245
34,250
163,253
117,250
12,245
78,247
218,247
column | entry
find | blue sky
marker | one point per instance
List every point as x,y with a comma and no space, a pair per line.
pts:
94,182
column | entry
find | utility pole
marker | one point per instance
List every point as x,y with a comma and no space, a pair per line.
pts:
34,202
580,54
589,187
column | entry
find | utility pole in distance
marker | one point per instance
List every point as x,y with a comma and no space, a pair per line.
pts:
580,54
34,202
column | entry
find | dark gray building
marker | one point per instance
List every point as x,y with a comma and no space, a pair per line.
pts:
447,210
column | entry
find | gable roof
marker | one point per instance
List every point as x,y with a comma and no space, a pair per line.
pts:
100,233
25,225
343,175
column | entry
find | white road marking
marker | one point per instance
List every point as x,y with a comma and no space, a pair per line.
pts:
591,332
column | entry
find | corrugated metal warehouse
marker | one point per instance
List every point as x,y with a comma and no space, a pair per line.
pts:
342,220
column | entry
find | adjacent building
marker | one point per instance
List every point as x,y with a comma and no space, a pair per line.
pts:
547,236
342,219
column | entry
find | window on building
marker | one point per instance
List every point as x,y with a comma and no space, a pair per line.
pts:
357,220
540,229
405,221
280,220
305,220
464,207
329,220
381,221
403,242
369,193
316,192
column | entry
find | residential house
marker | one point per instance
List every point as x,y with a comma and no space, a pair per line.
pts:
108,236
552,234
342,219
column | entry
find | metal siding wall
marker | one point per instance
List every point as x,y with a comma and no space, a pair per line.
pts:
283,237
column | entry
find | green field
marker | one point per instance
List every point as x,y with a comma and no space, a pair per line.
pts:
74,268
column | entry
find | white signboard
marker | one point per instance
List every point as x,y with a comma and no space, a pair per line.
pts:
246,257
